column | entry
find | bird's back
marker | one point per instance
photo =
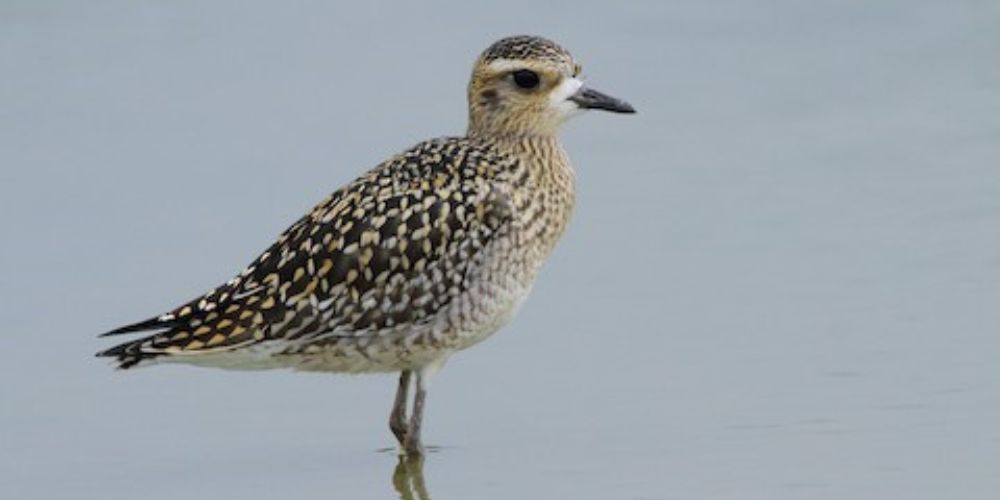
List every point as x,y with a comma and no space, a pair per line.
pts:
381,275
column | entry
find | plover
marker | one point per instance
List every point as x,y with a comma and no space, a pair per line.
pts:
428,253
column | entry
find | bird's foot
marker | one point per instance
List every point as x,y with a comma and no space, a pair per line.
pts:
412,447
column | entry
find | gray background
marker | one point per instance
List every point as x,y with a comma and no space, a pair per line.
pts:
782,279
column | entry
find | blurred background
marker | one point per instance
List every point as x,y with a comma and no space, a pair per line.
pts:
782,279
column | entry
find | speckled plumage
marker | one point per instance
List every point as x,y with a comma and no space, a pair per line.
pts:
526,48
383,274
426,254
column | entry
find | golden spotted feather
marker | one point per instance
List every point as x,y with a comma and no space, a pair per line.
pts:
387,252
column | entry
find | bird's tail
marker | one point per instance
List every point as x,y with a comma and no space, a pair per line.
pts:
131,354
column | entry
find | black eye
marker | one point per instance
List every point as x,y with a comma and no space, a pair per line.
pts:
526,79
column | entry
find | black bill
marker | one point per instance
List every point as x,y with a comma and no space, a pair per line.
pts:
588,98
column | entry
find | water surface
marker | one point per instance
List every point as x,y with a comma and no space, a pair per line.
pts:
781,281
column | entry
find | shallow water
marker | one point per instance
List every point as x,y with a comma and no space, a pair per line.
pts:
781,281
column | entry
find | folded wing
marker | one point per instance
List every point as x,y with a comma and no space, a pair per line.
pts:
390,249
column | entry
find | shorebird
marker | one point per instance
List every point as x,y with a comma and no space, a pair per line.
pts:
427,254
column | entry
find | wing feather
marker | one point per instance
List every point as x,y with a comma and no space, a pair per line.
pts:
391,248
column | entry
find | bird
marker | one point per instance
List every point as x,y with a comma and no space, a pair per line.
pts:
426,254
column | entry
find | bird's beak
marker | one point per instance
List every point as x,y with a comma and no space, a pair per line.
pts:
588,98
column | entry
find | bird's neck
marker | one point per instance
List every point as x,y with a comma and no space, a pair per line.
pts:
543,156
548,198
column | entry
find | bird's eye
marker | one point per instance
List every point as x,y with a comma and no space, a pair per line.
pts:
526,79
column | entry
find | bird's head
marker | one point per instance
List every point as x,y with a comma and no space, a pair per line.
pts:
528,85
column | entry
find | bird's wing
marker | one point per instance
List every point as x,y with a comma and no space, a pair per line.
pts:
391,248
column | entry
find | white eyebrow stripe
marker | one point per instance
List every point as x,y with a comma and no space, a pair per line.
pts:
504,65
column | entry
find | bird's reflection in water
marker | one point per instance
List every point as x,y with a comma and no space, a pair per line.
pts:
408,479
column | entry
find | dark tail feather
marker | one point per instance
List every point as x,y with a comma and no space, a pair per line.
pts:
128,354
115,351
149,324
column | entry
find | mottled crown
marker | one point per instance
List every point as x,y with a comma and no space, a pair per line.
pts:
527,47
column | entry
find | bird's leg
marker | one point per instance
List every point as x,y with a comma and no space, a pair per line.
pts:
397,419
412,445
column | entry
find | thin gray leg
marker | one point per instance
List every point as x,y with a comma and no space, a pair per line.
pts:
412,445
397,419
